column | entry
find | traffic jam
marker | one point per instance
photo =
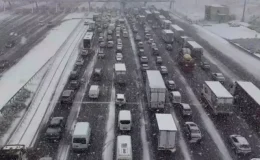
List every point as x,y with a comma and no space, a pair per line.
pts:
139,76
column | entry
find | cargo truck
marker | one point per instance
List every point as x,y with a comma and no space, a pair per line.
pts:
120,73
217,97
196,50
183,41
247,100
178,32
166,132
166,24
148,15
141,19
167,36
155,90
111,26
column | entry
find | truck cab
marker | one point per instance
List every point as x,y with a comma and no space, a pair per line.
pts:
13,152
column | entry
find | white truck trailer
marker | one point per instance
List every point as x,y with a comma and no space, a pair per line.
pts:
120,73
178,32
166,132
217,97
166,24
155,90
196,49
167,35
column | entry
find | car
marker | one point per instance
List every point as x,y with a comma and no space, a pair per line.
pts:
102,44
67,97
119,57
144,59
144,67
218,77
109,32
120,99
155,51
204,65
105,25
170,84
101,39
150,41
119,41
79,62
41,23
74,84
137,37
119,47
163,70
109,37
117,35
154,26
140,45
153,45
141,52
10,44
193,132
159,60
99,29
55,129
255,159
50,24
135,30
239,144
147,36
169,47
110,44
97,75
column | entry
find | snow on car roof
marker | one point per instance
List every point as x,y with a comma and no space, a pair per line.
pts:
120,67
120,96
194,44
251,90
124,115
155,79
176,93
242,140
167,21
218,89
165,122
81,129
185,106
93,87
167,31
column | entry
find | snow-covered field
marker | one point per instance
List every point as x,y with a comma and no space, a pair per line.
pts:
224,30
19,74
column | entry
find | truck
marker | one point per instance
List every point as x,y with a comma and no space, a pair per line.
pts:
156,14
247,100
166,132
178,32
196,50
186,61
120,73
141,19
111,26
217,98
161,18
148,15
167,36
155,90
166,24
183,41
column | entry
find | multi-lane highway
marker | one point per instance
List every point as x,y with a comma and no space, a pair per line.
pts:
102,113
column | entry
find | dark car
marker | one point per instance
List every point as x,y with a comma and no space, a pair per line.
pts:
55,129
204,65
144,59
97,75
67,97
74,84
155,51
169,47
159,60
10,44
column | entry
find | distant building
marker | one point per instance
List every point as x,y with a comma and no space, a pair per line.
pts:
216,12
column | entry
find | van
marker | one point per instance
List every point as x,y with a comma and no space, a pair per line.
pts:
175,97
124,120
124,148
93,91
81,136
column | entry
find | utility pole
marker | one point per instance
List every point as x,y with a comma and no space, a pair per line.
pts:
243,16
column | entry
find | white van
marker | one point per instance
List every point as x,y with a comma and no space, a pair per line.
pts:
93,91
175,97
124,148
81,136
124,120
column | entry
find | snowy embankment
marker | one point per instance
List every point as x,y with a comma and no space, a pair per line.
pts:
17,76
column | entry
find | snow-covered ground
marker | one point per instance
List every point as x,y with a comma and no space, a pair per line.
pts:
18,75
226,31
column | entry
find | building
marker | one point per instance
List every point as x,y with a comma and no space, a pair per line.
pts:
216,12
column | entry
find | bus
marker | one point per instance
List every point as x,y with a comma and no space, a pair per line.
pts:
87,42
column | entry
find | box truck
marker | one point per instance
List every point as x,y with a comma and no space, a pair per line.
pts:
166,132
155,89
167,36
247,100
196,49
178,32
120,73
217,97
166,24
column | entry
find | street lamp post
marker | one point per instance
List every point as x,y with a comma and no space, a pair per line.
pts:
243,16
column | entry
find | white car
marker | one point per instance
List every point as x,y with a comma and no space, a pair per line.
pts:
79,62
218,77
153,45
150,41
102,44
117,35
163,70
239,144
119,56
193,132
101,39
145,67
120,99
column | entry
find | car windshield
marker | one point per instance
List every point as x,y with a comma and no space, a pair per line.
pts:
210,49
